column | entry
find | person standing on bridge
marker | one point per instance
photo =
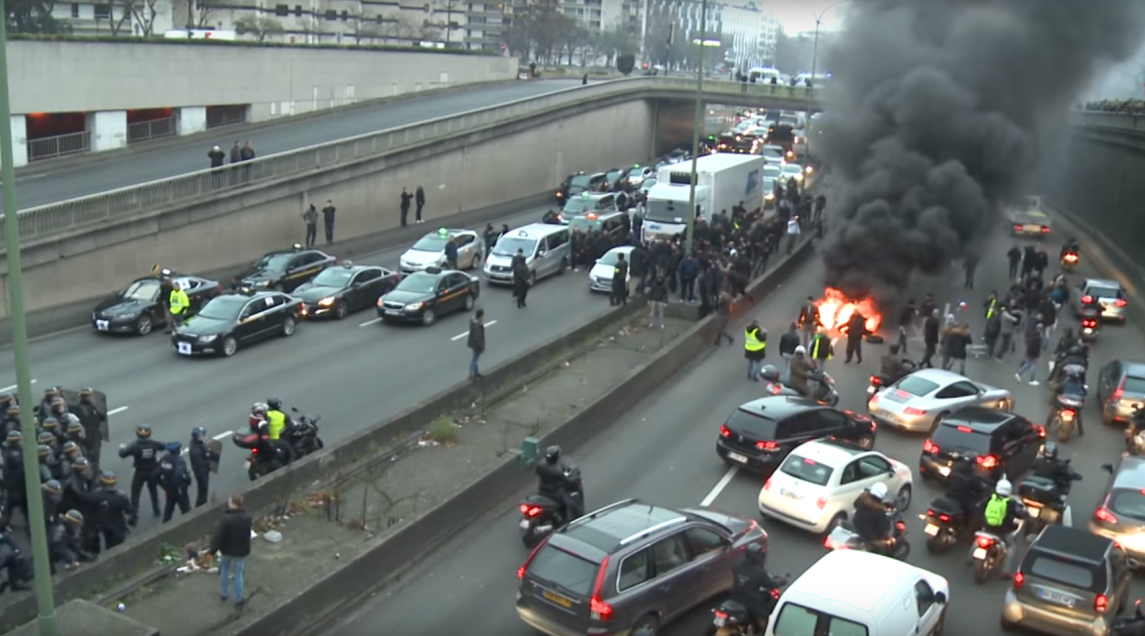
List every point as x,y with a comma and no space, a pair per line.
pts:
311,218
247,155
236,152
328,220
419,200
405,201
216,156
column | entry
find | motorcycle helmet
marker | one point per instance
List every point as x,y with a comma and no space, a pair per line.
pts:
878,491
143,431
769,373
274,404
1003,488
800,350
552,454
1050,450
754,551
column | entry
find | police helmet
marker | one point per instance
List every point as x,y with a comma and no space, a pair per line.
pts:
769,373
50,424
174,447
878,491
87,392
143,431
71,448
1003,488
552,454
1050,450
14,409
894,349
73,516
198,432
274,404
5,399
800,350
43,450
51,392
81,463
52,486
14,437
107,478
75,428
45,438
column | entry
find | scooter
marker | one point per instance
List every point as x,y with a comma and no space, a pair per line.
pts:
1066,415
1133,626
541,516
731,618
1045,504
845,537
824,392
989,553
946,522
1089,329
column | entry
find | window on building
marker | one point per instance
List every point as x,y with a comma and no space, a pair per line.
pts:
102,11
75,9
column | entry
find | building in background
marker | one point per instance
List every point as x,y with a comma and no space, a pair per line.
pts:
750,35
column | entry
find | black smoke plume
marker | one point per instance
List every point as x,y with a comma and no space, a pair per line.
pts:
936,111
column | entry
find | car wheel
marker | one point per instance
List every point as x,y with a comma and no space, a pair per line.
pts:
230,346
475,261
836,521
902,500
866,442
143,326
469,302
428,318
341,310
288,326
650,624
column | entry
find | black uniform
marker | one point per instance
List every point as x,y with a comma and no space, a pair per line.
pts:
175,479
65,544
15,491
554,485
856,329
619,284
80,494
114,513
15,563
146,454
201,459
95,431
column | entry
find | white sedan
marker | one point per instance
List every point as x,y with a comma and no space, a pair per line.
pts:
791,171
600,276
429,251
815,488
921,399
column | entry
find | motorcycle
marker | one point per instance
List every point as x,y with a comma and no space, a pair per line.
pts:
1069,261
301,439
1067,411
1045,503
303,436
731,618
824,392
1090,326
989,553
845,537
946,521
1132,626
541,516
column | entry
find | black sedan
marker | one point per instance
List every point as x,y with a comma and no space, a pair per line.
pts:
424,296
339,290
235,319
136,309
284,270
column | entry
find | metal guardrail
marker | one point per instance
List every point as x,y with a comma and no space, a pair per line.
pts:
1130,122
59,146
55,218
148,130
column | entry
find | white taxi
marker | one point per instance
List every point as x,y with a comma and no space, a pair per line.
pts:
816,486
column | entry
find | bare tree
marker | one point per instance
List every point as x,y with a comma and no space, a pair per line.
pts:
144,13
261,27
33,16
365,27
428,31
205,11
449,8
126,9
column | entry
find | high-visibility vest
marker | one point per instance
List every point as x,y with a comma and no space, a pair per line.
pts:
996,510
751,341
818,340
275,423
179,301
991,308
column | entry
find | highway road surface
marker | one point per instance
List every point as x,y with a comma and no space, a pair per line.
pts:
130,169
663,451
355,373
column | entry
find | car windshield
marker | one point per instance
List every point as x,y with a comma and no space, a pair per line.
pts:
649,182
418,283
792,169
579,205
430,243
1133,385
665,211
579,181
567,571
636,172
772,172
585,223
1128,503
611,257
224,308
759,426
508,246
334,277
273,262
141,290
961,438
1104,292
916,386
772,153
805,469
1069,574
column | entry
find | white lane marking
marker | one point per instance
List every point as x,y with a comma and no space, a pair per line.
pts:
117,411
720,485
462,335
370,322
13,387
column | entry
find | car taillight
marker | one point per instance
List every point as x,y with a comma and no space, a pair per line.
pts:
254,451
1101,604
821,503
525,565
1017,228
1045,230
1040,429
985,542
1119,392
988,462
875,380
1101,514
766,445
530,511
1019,580
929,447
724,431
1120,302
910,410
601,611
767,484
1087,299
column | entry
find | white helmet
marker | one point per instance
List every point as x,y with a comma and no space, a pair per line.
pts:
800,350
878,491
1003,489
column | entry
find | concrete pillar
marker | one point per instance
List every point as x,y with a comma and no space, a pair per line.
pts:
192,119
19,140
108,129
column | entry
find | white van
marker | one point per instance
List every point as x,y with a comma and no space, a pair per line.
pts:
547,249
853,593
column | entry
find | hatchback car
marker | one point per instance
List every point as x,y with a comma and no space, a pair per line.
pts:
1070,582
919,400
429,250
1120,390
1121,514
600,276
1108,293
999,441
816,486
629,566
760,434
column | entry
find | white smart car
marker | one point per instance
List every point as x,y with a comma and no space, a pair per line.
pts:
816,486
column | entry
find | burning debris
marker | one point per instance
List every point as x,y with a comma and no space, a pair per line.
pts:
836,310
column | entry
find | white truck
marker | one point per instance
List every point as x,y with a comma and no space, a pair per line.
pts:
722,181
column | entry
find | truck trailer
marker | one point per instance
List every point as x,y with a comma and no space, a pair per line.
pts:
722,181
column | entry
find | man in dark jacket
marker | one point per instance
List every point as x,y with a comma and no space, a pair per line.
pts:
856,329
476,342
930,329
231,542
688,271
788,342
520,278
174,478
619,282
201,459
1033,353
1015,257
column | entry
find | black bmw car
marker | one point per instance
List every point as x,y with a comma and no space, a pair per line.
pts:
424,296
284,270
237,319
340,290
136,309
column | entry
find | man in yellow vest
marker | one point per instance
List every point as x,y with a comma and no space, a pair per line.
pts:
820,348
179,302
754,349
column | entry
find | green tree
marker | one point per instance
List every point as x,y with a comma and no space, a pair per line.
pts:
261,27
625,63
33,16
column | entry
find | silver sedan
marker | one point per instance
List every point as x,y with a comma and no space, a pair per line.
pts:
919,400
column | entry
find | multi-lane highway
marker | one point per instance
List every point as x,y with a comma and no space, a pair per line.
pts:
130,169
663,452
354,373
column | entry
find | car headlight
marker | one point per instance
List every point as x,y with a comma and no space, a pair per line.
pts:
799,177
414,306
380,303
262,283
326,302
769,196
206,339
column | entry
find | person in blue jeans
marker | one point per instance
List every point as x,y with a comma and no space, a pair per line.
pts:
1033,353
231,542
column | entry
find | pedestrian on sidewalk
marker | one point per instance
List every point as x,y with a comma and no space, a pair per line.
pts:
328,220
419,200
231,542
311,218
406,197
476,342
657,298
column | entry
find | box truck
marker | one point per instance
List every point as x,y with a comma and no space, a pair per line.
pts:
722,181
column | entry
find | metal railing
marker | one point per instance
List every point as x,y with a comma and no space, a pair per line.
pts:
1130,122
46,220
147,130
59,146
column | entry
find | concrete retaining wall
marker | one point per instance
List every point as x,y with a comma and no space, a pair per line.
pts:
61,76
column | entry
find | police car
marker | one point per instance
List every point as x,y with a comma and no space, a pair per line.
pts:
284,270
237,319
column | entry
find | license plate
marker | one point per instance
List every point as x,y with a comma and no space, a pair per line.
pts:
944,471
1034,512
887,415
980,553
393,312
184,348
102,325
558,599
790,495
1031,228
246,465
1054,597
737,458
524,523
719,621
931,530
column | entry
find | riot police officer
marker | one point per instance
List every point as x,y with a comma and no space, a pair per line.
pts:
53,494
7,401
48,437
145,452
175,479
201,458
12,418
115,511
68,456
79,494
13,561
51,424
65,541
44,408
62,413
75,433
14,484
94,422
48,463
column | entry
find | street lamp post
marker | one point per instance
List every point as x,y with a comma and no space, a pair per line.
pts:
811,83
35,508
699,124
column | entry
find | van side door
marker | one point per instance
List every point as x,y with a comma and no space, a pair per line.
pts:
929,610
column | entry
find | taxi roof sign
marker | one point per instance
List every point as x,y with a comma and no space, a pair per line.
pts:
348,264
297,247
443,232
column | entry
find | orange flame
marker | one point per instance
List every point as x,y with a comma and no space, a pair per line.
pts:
835,311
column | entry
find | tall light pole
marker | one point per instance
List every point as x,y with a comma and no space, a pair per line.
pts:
699,124
811,83
35,508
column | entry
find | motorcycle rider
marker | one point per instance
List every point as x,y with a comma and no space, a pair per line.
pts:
277,423
1048,466
1071,246
752,585
1000,517
891,368
801,372
967,486
145,452
871,519
1072,386
556,486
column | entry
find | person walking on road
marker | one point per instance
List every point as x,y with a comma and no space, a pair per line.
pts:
1033,353
930,333
723,317
231,542
406,197
328,220
970,265
476,342
787,344
311,218
793,231
754,349
419,200
1015,257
